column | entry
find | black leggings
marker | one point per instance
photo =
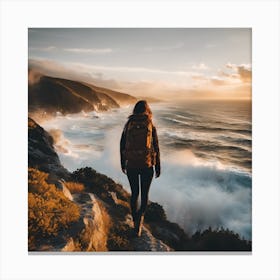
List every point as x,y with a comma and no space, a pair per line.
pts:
146,176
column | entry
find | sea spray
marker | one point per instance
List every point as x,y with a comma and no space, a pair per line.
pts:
206,167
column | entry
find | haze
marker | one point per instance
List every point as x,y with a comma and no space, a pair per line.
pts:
185,63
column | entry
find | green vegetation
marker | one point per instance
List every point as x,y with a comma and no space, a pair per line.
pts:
119,238
219,240
170,233
49,211
155,213
99,183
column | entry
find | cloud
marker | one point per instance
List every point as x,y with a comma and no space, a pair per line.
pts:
228,75
48,67
234,83
73,50
243,70
159,89
200,66
43,49
245,74
178,84
134,69
218,81
230,65
199,77
89,51
33,76
235,66
72,72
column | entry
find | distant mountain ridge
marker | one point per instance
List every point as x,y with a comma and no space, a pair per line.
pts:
51,95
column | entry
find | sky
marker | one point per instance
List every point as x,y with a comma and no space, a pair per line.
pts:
194,63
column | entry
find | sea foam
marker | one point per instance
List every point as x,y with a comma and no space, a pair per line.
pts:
196,191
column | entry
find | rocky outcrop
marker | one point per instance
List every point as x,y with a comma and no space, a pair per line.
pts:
41,153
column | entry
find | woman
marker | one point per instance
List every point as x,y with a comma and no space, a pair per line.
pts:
139,151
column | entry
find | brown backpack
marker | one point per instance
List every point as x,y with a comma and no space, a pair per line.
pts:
139,151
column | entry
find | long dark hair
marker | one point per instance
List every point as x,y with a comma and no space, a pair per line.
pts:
142,107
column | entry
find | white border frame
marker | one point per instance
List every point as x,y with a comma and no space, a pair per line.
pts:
262,16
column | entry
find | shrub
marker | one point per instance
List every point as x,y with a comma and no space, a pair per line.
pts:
99,184
119,237
49,211
219,240
155,213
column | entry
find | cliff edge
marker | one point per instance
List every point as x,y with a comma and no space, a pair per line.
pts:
85,210
88,211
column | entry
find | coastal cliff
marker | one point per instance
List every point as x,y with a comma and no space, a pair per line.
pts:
85,210
49,96
88,211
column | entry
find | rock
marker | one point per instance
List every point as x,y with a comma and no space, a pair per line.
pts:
93,236
66,191
41,153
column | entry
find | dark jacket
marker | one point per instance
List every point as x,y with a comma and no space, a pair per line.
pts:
154,141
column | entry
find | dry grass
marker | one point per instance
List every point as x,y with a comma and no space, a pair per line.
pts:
74,187
48,209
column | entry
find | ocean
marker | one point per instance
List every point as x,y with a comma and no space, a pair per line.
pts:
206,158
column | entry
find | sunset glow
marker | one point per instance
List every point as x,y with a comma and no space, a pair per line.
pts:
183,63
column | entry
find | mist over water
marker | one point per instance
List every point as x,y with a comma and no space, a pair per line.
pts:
205,157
